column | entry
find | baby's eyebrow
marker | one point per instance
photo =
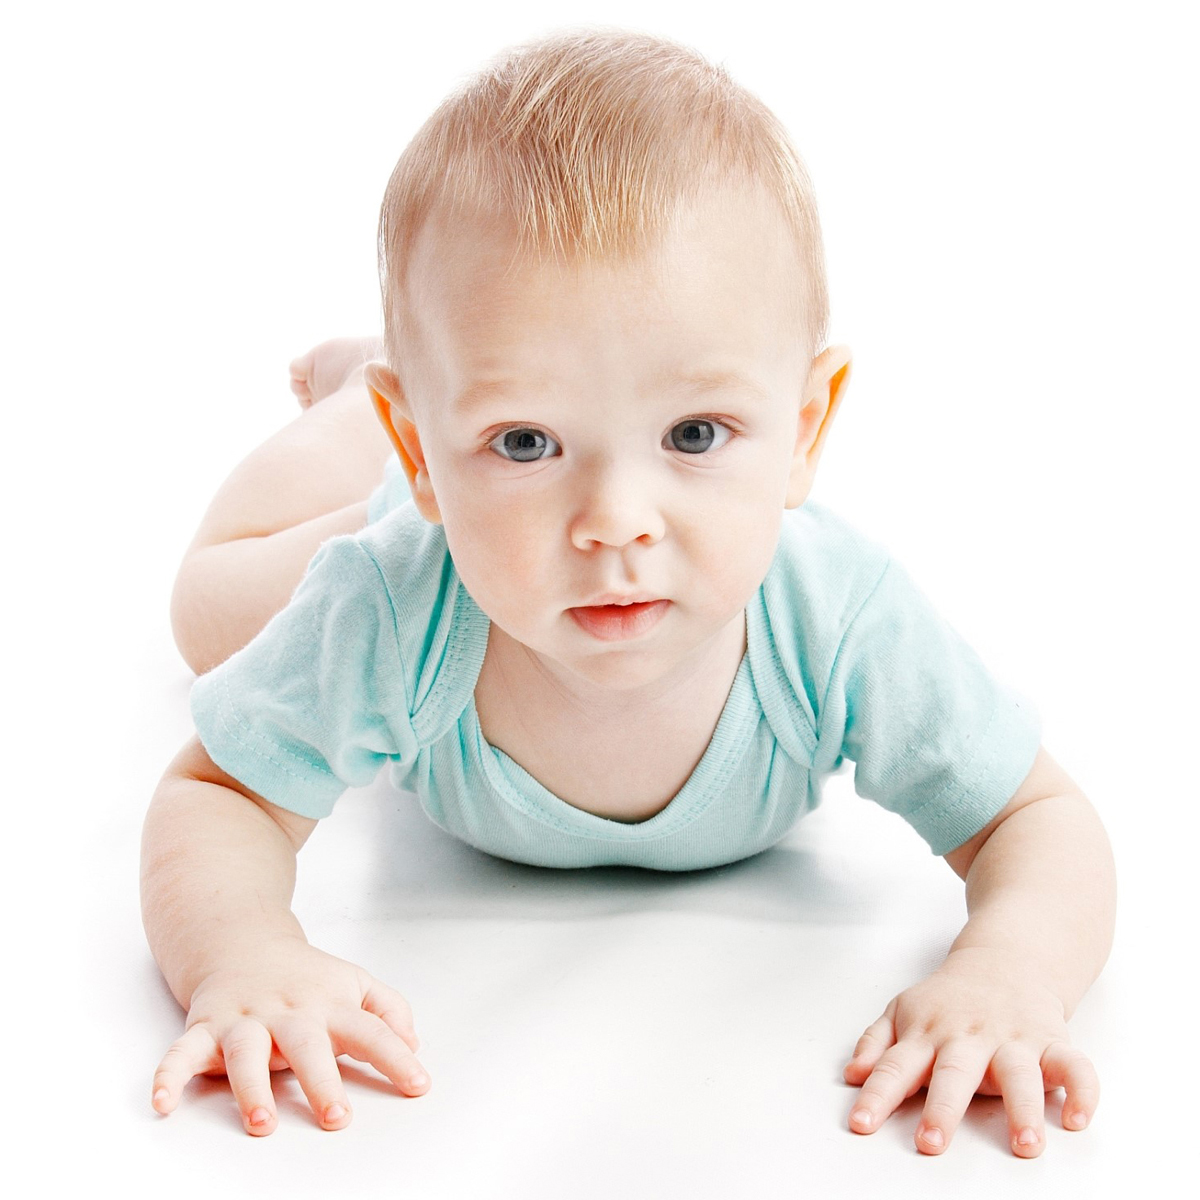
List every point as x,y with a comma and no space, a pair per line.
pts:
476,395
716,381
484,391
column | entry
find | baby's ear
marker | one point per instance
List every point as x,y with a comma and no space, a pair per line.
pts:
395,415
385,383
823,392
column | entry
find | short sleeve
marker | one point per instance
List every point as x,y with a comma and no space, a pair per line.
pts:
933,736
317,702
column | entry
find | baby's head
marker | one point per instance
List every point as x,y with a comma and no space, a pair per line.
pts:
604,291
588,143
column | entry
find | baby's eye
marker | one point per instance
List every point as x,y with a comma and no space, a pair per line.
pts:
695,435
521,444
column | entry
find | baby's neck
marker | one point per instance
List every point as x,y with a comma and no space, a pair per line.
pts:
619,754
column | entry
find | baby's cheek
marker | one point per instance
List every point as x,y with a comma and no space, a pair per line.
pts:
513,585
741,543
737,552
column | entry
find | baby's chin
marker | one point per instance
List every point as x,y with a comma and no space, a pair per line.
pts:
659,666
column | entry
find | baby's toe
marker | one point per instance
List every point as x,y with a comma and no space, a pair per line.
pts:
300,370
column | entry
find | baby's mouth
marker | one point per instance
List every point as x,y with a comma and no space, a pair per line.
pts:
619,622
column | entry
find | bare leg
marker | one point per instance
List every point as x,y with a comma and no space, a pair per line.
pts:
306,484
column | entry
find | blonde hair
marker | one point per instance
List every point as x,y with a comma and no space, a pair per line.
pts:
589,141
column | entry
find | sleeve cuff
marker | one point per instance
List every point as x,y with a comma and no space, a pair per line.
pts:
275,773
1003,759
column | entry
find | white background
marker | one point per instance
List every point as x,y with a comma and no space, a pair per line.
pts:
1008,195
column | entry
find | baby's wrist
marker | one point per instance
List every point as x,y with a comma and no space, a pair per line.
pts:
1004,964
242,953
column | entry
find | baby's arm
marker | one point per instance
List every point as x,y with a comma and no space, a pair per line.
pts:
218,870
1041,897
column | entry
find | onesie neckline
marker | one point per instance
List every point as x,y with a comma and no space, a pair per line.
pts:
721,758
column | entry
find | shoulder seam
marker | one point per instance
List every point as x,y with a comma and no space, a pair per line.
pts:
837,658
387,591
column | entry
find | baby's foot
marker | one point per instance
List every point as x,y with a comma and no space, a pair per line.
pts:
327,367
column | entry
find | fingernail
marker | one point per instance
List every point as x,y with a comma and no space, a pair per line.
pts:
260,1116
335,1112
862,1116
419,1080
1077,1120
1027,1137
161,1096
932,1137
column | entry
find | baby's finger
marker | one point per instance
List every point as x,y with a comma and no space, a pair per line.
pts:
957,1073
365,1037
247,1049
305,1045
898,1073
870,1048
395,1012
1019,1077
191,1054
1064,1066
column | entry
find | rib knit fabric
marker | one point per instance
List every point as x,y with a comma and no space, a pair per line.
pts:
374,662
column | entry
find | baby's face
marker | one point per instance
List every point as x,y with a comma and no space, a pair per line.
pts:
629,430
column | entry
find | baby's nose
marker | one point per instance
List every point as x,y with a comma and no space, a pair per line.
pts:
616,507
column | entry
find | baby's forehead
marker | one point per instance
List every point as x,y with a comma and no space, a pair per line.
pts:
706,312
471,256
696,319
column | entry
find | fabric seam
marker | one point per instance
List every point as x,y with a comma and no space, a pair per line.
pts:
837,658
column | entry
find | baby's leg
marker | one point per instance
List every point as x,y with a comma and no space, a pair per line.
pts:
307,483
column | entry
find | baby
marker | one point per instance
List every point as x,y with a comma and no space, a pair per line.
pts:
602,624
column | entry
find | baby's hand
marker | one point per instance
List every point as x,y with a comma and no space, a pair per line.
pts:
978,1024
290,1005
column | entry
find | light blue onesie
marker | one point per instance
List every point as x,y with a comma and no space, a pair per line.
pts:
375,659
